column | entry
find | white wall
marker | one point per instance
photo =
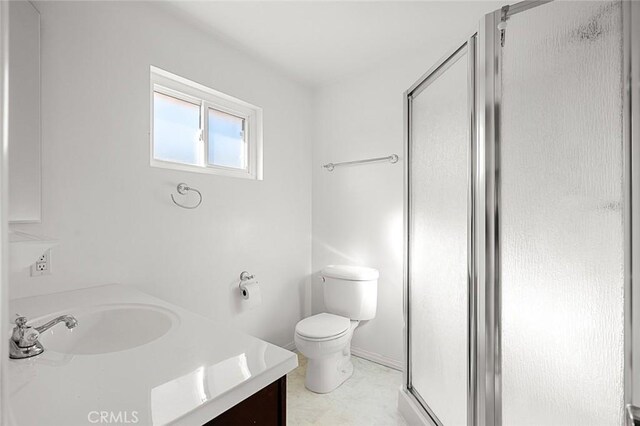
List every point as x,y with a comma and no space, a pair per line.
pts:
111,211
358,210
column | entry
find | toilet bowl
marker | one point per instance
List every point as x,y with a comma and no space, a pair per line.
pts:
325,339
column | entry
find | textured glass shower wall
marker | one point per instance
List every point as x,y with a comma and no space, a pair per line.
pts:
439,150
561,215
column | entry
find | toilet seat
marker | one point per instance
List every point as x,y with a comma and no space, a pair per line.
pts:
323,326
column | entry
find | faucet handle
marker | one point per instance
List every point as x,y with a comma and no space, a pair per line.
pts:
23,335
21,321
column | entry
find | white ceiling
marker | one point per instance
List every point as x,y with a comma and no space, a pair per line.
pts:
317,42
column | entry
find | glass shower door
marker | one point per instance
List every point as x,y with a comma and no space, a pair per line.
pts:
439,159
562,240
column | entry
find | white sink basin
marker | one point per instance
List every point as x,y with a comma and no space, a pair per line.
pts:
194,370
107,328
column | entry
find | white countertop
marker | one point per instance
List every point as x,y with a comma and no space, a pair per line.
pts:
191,374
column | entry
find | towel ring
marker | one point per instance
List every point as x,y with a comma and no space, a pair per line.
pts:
182,189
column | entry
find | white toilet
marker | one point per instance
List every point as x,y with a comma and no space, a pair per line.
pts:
350,296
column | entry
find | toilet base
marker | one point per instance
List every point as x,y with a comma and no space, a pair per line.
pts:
328,361
326,374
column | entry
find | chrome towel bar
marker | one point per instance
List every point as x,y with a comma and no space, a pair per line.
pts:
393,158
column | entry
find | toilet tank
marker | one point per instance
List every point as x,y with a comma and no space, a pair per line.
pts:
350,291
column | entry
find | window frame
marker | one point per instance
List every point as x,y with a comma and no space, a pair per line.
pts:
172,85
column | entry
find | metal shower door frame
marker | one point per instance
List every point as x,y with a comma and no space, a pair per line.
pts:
632,134
631,117
468,47
489,379
484,335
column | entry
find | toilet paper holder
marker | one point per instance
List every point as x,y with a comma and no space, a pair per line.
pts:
244,278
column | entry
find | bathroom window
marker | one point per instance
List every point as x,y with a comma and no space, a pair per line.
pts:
195,128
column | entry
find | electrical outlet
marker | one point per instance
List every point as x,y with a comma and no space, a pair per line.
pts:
42,265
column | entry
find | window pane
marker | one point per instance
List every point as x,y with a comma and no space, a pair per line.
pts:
226,140
176,130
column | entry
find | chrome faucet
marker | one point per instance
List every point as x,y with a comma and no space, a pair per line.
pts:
24,339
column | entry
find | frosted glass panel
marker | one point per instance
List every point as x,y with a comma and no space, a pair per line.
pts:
438,237
561,216
176,130
227,145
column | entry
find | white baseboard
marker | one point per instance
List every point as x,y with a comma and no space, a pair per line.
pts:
361,353
291,346
377,358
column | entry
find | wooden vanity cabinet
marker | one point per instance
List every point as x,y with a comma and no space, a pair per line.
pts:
267,407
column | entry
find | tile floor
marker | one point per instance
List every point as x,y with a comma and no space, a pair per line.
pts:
368,398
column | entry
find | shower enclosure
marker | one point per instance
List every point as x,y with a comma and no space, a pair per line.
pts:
522,153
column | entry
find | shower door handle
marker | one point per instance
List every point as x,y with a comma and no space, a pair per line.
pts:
633,416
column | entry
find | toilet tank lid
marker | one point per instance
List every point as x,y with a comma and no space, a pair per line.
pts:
351,273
